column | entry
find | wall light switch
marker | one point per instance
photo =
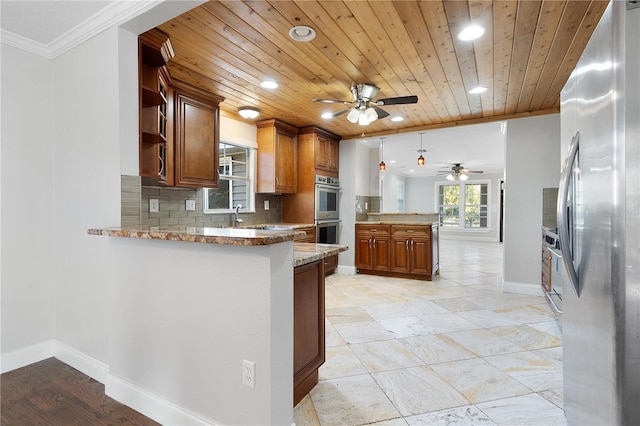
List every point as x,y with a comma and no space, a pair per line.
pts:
154,205
266,204
190,205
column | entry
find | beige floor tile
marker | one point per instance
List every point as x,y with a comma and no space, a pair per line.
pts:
361,332
354,400
405,327
437,348
417,390
468,415
347,315
482,342
479,381
445,323
305,414
332,337
527,337
385,355
531,370
529,409
340,362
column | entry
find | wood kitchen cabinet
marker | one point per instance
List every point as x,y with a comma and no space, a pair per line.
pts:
411,249
197,136
308,327
373,247
408,251
311,235
155,126
321,147
277,157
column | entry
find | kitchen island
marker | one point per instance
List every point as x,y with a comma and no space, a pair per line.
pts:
187,317
404,245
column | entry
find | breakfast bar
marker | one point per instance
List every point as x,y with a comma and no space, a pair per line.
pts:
207,300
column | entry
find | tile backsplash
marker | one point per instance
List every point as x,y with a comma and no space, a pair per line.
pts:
172,207
366,204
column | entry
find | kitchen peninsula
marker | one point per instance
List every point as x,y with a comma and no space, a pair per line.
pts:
402,245
197,311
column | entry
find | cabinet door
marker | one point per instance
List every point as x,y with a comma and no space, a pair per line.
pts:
400,260
322,155
334,155
285,163
308,325
382,254
196,162
364,252
420,256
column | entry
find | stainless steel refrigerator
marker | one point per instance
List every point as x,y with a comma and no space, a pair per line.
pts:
599,225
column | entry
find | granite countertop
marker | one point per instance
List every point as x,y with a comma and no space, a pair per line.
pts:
304,253
230,236
287,225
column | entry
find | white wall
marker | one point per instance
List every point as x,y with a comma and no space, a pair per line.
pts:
389,202
28,194
532,152
421,196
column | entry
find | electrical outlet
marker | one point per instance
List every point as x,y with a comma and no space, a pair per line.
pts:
266,204
190,205
154,205
249,373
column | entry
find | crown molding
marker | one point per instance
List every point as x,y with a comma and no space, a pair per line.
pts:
116,13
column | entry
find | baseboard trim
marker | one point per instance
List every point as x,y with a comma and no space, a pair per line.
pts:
31,354
343,269
90,366
151,405
521,288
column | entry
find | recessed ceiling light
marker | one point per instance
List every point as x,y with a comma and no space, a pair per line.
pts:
471,32
392,161
397,118
302,33
248,112
327,115
411,170
478,89
269,84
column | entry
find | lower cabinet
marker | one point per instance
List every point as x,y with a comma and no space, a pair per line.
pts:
308,327
409,251
373,247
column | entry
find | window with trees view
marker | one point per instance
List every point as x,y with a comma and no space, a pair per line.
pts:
463,205
235,181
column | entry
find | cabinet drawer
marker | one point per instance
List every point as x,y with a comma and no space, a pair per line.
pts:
410,231
381,230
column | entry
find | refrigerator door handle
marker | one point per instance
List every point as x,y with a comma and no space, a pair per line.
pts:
563,215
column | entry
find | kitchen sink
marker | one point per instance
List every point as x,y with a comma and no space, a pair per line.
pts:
278,228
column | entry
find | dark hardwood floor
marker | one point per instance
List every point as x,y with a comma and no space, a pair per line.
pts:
52,393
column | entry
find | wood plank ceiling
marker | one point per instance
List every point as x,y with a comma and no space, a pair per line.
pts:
525,56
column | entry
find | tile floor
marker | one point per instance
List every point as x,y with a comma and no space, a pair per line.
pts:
453,351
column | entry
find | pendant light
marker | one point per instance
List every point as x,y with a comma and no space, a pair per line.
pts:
382,166
421,158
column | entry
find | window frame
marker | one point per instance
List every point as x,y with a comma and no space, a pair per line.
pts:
462,205
250,179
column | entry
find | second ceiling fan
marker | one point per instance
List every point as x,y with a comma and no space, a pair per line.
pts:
457,172
365,109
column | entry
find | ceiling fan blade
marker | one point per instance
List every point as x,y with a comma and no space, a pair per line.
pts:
332,101
472,171
401,100
381,113
339,113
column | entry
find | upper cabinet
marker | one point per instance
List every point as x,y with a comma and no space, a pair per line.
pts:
325,148
197,137
179,123
277,157
155,138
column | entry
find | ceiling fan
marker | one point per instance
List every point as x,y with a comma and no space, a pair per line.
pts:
457,172
366,109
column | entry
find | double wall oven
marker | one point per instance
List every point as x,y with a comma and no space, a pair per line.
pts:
327,198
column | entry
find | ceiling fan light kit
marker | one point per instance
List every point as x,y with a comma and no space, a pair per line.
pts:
458,173
367,110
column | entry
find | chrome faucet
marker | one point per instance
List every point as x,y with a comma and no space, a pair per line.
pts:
238,220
